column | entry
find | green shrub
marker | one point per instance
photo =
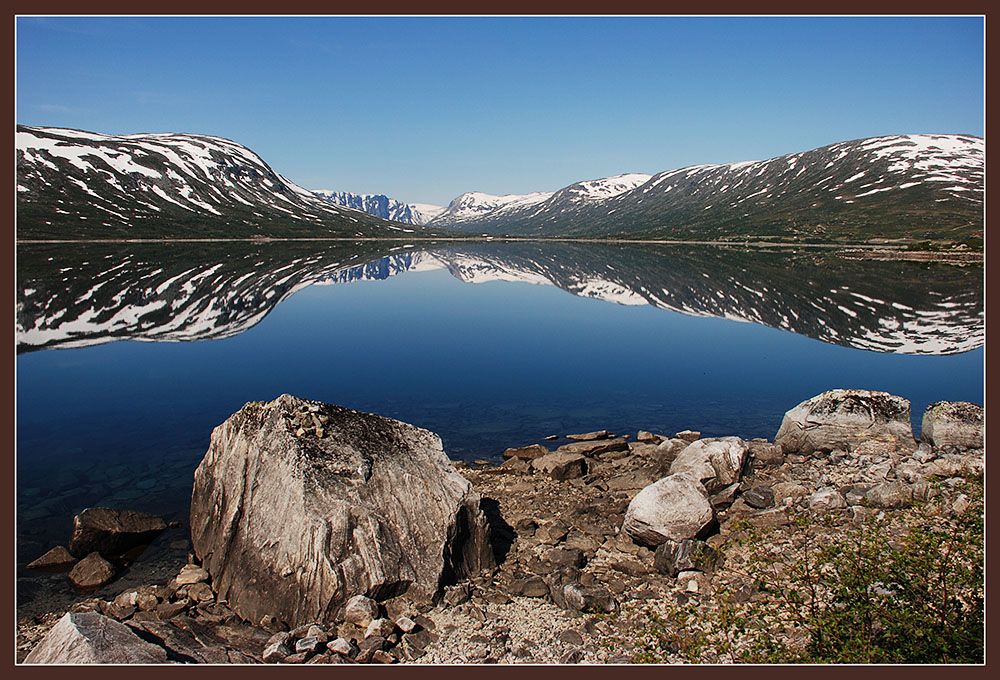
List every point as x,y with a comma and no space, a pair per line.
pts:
863,598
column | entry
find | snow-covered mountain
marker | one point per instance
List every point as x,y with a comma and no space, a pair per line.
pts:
142,292
382,206
74,184
472,207
922,186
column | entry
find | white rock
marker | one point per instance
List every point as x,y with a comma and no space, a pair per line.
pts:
675,507
841,419
91,638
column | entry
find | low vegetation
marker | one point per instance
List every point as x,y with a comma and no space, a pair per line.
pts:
908,588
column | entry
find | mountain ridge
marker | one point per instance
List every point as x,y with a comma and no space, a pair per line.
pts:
382,206
78,184
896,186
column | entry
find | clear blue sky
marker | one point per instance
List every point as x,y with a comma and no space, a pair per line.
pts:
423,109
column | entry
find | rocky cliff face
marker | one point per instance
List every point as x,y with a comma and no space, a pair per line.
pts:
298,506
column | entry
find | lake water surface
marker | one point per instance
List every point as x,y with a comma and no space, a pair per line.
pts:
129,354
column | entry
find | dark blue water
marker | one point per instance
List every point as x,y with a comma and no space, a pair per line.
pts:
487,366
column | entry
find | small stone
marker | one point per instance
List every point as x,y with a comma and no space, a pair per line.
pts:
168,610
526,452
673,557
406,624
589,436
369,646
191,574
360,610
561,466
588,598
380,627
534,586
889,495
308,644
281,637
827,499
93,571
456,595
276,652
424,622
572,656
379,656
342,647
648,437
571,637
116,611
566,556
551,534
126,598
200,592
759,497
724,496
146,601
525,526
297,658
56,559
688,435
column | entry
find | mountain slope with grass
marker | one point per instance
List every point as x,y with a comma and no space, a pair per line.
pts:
896,187
76,185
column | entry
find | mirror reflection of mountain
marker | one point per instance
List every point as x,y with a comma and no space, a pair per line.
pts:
86,294
196,292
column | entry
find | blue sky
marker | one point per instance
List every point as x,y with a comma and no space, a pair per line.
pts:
423,109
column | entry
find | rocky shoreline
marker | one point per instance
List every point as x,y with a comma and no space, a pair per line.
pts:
592,535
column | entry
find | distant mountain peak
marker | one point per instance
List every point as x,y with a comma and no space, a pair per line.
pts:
382,206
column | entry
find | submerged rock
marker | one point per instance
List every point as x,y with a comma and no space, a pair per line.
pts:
953,425
843,419
293,526
589,436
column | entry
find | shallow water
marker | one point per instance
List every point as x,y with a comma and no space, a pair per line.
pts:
129,355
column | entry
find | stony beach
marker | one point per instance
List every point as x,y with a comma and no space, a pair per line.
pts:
568,550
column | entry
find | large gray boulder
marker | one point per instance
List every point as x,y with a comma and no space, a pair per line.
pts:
717,463
674,508
953,425
299,505
843,419
89,637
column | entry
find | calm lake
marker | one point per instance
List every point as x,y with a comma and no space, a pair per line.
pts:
129,354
